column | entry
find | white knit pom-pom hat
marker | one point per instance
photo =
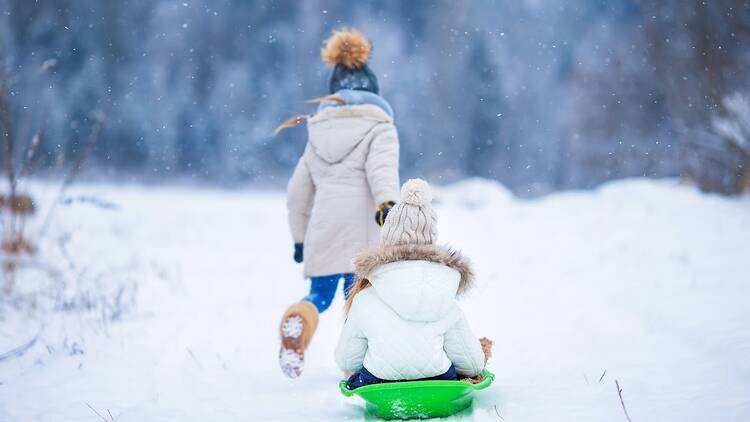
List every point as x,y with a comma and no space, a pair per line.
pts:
412,221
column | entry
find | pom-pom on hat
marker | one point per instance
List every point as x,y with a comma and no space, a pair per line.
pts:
348,51
412,221
347,47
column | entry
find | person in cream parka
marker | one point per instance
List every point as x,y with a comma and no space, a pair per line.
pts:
348,172
403,322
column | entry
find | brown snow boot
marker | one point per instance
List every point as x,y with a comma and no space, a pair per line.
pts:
297,328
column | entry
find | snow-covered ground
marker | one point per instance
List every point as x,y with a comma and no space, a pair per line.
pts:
646,280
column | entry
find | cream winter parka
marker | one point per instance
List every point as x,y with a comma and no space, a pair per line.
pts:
406,325
350,164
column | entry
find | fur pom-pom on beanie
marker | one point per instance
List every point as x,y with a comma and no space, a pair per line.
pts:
348,51
412,221
347,47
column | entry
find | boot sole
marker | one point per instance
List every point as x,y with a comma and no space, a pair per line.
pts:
291,354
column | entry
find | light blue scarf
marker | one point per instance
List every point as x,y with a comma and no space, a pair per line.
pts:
357,97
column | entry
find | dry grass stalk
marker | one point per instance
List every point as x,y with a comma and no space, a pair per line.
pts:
75,169
6,131
30,156
15,207
21,204
17,246
22,349
497,412
622,402
99,414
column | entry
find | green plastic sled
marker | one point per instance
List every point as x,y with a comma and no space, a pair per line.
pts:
418,399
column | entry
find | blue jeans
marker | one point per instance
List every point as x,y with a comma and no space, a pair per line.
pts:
364,377
323,289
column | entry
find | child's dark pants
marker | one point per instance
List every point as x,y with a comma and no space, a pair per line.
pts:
364,377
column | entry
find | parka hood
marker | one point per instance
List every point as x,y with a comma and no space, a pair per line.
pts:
416,290
334,132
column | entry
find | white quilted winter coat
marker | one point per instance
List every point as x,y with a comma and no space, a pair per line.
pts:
350,164
407,325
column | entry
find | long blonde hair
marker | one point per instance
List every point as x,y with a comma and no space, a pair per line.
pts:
359,285
294,121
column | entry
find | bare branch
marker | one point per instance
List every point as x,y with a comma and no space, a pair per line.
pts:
602,377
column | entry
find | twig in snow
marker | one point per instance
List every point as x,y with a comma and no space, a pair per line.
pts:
192,355
602,377
622,402
586,379
497,412
20,350
90,200
97,413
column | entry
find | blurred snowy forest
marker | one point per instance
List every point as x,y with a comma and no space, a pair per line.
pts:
540,95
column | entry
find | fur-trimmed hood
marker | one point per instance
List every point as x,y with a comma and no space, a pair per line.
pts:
419,282
367,261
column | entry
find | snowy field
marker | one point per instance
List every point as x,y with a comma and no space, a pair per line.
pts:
646,280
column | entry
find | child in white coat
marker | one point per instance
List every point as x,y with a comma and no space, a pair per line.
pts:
348,172
403,322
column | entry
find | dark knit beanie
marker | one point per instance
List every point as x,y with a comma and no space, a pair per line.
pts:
358,78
